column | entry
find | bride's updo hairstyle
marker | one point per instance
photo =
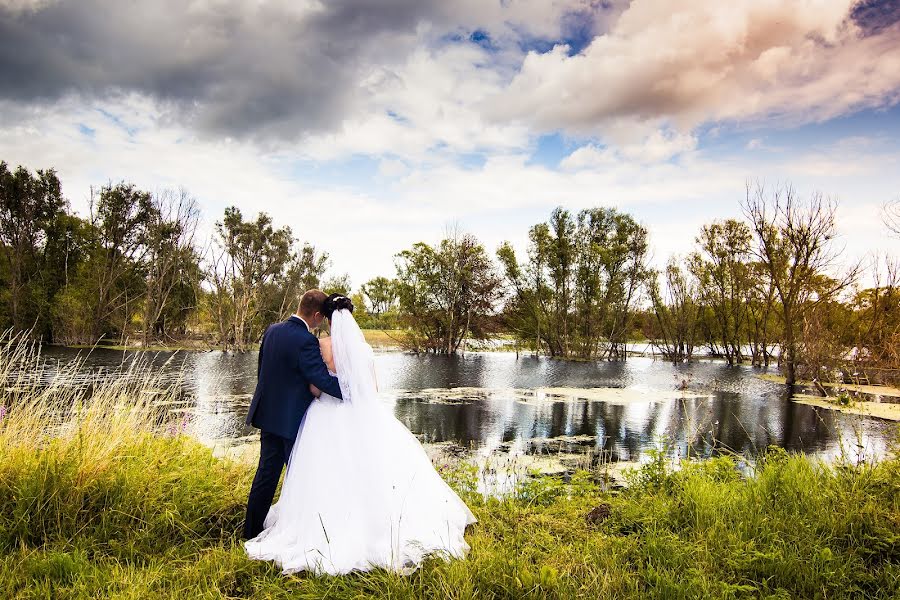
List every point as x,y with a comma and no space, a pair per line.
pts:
336,302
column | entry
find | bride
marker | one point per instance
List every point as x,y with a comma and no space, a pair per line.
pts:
359,492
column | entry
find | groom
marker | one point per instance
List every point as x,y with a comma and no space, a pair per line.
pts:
289,360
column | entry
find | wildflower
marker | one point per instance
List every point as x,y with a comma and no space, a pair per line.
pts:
2,412
185,421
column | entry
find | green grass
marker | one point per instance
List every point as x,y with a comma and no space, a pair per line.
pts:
105,499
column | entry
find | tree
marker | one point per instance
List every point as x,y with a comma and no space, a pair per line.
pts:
762,325
526,311
115,270
246,257
447,293
722,269
173,273
304,272
30,205
891,216
875,331
339,284
677,312
576,293
381,294
611,250
794,244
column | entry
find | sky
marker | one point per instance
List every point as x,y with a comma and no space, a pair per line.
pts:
368,126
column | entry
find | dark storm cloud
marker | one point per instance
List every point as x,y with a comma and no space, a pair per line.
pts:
247,69
874,15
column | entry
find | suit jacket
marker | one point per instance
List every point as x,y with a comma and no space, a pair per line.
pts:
289,360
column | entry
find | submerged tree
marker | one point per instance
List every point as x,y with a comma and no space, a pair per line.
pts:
447,293
575,295
794,244
677,312
723,272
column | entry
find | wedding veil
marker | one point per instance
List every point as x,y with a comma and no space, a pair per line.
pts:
353,359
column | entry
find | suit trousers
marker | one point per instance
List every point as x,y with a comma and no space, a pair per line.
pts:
274,452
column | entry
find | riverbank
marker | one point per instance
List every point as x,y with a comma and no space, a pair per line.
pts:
108,508
871,390
377,338
889,411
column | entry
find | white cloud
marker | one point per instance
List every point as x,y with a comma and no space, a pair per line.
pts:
706,61
660,145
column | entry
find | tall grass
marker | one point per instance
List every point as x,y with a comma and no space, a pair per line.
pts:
101,497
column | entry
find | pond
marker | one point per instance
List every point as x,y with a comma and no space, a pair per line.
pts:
495,403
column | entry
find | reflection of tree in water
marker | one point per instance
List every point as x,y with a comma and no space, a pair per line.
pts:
805,427
746,415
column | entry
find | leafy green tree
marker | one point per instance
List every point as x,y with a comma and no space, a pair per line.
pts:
247,257
173,264
30,208
447,293
722,268
339,284
304,272
762,322
677,312
116,269
576,293
381,294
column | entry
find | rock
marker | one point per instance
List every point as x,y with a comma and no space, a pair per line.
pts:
598,514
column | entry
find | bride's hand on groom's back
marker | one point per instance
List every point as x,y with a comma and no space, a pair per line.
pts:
316,392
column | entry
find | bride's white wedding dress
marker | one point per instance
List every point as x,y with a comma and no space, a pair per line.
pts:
360,492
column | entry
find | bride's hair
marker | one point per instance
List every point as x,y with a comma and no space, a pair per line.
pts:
336,302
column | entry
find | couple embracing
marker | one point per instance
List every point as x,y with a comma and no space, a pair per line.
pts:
360,492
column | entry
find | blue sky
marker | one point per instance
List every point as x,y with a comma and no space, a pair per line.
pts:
367,127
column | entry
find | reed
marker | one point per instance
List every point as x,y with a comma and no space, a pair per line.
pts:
101,496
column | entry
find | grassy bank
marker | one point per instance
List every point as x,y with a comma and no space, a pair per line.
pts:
385,338
105,498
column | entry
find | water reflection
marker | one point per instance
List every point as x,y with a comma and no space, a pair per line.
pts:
493,409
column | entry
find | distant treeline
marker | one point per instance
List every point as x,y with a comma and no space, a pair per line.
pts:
768,287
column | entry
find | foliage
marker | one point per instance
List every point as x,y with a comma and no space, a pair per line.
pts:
678,313
794,245
446,293
31,211
764,288
722,268
576,294
256,276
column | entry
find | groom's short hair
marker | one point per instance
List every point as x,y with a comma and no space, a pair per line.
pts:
311,302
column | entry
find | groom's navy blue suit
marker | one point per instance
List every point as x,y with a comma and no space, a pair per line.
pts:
289,360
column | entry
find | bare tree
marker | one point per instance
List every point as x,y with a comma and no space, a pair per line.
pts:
794,244
890,214
171,256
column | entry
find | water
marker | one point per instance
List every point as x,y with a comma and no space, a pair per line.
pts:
484,403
